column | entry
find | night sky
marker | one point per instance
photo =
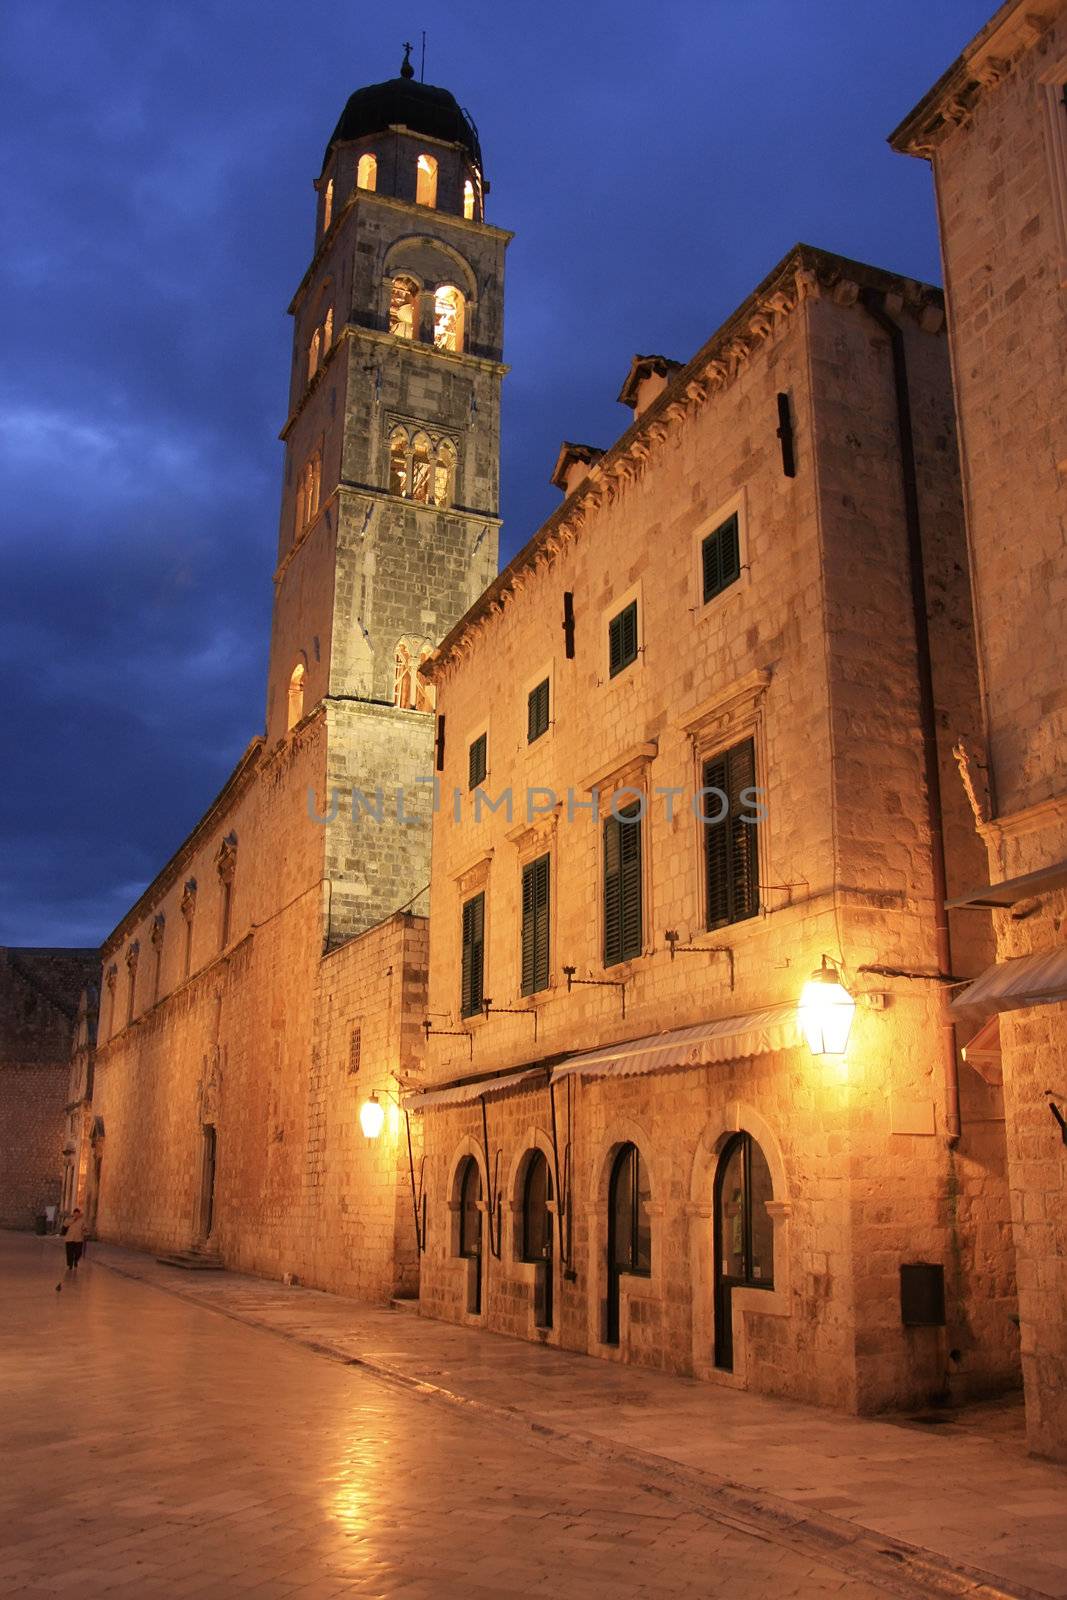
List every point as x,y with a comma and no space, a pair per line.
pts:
155,169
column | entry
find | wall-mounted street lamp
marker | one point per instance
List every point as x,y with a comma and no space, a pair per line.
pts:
372,1117
372,1121
825,1012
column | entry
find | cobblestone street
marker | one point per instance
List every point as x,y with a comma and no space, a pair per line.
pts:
153,1447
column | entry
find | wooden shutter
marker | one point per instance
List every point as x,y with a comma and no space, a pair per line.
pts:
476,763
731,846
535,921
537,712
721,556
623,928
473,955
622,639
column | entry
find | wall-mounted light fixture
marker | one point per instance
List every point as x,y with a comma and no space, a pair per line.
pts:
825,1012
372,1117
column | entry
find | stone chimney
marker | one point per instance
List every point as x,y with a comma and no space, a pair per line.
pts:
646,380
572,465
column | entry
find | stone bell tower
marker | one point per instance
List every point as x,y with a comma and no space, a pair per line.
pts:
390,505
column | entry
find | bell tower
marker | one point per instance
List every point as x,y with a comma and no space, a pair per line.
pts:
390,503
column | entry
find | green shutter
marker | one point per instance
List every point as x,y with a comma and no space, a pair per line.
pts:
731,846
537,712
471,987
622,639
476,762
535,924
623,925
721,558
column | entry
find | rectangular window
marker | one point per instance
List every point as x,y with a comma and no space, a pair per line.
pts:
622,886
472,987
535,910
476,761
622,639
537,712
731,857
720,557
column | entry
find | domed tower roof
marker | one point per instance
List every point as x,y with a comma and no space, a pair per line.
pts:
422,107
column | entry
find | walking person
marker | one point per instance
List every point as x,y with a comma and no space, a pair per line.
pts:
73,1233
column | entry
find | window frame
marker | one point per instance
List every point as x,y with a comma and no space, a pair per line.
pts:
471,994
733,521
620,822
532,734
536,925
618,666
481,739
711,833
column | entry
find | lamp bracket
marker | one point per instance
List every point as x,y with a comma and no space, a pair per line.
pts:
596,983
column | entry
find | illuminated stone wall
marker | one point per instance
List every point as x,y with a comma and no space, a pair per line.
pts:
812,653
996,133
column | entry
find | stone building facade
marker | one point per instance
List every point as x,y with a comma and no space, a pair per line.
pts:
995,131
38,1013
629,1149
272,977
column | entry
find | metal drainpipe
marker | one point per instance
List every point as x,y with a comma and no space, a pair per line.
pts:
872,304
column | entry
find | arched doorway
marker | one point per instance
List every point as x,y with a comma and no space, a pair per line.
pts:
537,1233
629,1230
470,1231
744,1234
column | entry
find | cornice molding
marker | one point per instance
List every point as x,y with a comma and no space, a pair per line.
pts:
989,58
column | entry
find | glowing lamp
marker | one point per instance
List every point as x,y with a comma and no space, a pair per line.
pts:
372,1117
825,1012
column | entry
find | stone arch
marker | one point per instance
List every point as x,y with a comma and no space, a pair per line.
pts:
532,1138
430,261
620,1131
737,1117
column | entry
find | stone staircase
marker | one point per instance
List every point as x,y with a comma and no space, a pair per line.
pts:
198,1258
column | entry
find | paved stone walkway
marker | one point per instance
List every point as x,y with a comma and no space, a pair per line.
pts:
160,1450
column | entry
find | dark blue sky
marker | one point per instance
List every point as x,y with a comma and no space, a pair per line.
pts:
155,173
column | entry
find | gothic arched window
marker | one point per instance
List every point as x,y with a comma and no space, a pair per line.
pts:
307,493
398,462
367,172
327,207
448,317
327,330
426,181
296,695
421,476
444,473
425,693
314,353
403,307
468,200
410,693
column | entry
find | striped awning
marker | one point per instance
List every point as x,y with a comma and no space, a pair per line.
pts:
459,1094
753,1033
1039,980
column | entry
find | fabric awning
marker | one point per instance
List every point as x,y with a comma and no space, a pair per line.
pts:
1039,980
754,1033
458,1094
1011,890
982,1051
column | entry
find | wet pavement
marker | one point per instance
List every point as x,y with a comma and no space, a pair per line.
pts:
153,1447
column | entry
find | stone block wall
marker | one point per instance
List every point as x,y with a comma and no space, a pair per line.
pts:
812,654
38,1006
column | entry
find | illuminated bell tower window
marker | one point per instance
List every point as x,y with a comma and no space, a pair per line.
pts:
468,200
422,467
403,307
448,307
367,172
327,207
426,181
